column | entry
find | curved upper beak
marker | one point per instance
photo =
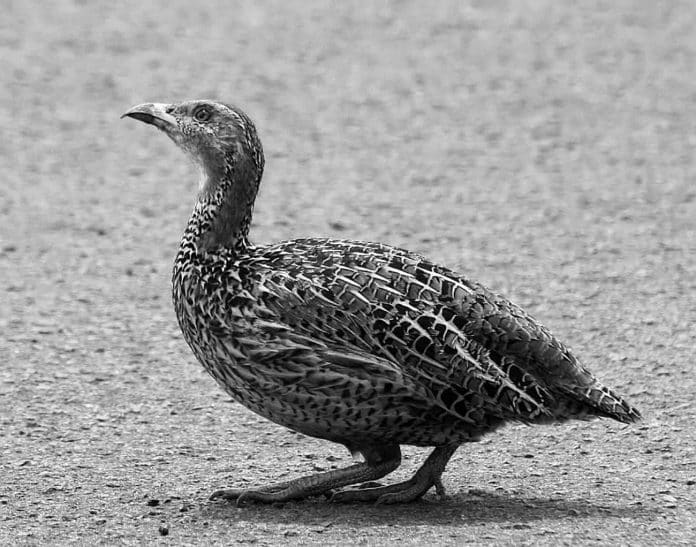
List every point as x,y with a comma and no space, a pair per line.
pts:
154,114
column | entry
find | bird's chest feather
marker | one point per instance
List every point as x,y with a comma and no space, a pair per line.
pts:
228,327
215,310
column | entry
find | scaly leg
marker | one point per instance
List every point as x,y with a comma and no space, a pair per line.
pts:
426,477
380,461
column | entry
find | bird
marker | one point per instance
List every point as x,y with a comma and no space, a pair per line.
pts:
362,344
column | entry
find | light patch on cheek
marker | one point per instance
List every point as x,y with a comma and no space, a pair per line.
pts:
203,177
196,150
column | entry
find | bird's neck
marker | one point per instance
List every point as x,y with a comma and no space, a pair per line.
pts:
222,214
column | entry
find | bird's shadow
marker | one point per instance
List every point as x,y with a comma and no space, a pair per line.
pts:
472,508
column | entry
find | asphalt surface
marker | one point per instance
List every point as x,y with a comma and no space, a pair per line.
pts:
544,149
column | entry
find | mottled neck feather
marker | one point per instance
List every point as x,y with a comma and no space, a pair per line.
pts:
222,214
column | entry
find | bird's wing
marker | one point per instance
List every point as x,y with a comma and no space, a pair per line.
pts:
363,305
448,333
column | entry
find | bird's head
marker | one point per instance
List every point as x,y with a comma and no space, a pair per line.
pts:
220,139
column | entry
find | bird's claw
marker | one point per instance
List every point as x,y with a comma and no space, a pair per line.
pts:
241,496
228,494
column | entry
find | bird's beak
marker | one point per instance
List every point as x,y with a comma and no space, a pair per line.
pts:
154,114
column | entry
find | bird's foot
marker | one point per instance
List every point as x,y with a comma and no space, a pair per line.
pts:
403,492
270,494
312,485
425,478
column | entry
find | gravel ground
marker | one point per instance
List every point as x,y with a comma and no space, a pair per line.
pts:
544,149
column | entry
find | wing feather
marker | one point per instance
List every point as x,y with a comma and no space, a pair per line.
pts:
378,310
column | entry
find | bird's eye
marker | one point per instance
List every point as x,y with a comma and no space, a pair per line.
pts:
202,113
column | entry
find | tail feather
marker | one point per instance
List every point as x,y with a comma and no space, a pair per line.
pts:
602,401
613,405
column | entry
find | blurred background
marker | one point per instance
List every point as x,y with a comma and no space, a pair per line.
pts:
543,148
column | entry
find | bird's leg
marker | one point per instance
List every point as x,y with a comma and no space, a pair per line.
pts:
426,477
379,462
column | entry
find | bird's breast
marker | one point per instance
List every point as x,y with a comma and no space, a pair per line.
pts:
213,311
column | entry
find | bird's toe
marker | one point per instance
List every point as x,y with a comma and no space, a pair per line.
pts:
227,494
353,495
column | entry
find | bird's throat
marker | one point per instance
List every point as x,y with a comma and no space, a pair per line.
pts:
222,214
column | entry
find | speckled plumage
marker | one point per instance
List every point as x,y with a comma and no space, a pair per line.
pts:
358,343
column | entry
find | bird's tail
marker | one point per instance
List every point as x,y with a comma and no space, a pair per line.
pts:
599,400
